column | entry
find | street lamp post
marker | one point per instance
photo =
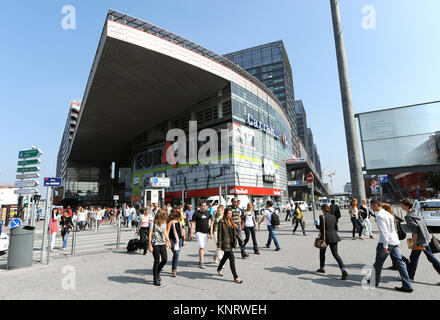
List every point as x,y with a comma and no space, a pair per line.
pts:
354,159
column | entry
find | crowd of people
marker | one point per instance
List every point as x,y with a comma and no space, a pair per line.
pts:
231,227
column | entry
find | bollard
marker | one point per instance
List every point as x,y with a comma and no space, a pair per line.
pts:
73,243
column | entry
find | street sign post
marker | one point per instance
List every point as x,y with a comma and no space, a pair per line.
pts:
25,191
160,182
33,153
16,222
27,176
27,183
310,179
53,182
28,169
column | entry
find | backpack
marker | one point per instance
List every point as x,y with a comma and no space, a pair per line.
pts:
275,218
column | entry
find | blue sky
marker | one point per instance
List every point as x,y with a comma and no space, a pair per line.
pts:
44,66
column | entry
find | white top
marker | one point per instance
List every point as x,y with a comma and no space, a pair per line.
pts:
126,212
353,212
388,234
249,221
81,216
268,214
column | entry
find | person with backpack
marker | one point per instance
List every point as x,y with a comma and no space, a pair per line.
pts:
272,222
158,243
420,236
328,227
250,226
299,219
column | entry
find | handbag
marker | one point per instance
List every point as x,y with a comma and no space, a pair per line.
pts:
320,244
434,245
400,232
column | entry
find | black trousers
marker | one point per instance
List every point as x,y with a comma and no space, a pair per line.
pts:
357,226
334,250
297,222
143,233
228,255
250,231
160,259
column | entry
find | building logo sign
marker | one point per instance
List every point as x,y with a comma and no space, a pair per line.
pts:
266,128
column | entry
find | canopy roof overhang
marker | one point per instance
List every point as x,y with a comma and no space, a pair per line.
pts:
130,89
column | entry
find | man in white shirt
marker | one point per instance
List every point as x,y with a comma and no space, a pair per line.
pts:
389,245
127,216
270,228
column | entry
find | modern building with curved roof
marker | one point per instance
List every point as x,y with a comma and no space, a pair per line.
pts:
146,81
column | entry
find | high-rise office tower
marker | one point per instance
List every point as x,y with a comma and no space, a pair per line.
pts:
270,64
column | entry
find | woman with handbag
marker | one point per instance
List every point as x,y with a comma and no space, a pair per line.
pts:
66,227
420,236
328,228
227,237
353,211
299,219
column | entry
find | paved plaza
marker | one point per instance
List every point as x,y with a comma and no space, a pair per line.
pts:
289,274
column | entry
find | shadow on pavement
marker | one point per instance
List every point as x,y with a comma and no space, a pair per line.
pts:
127,280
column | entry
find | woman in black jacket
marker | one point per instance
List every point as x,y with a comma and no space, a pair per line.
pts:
66,226
328,226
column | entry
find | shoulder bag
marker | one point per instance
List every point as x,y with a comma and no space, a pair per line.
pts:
434,245
321,244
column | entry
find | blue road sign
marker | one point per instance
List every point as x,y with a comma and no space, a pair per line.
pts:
15,223
383,179
52,182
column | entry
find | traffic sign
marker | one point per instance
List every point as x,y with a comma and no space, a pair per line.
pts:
27,162
25,191
310,178
28,169
52,182
33,153
15,223
383,179
26,183
27,175
160,182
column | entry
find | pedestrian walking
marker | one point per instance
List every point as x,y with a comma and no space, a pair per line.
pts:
250,226
189,214
328,227
288,211
54,227
126,216
298,219
201,224
144,229
335,210
353,211
272,222
420,238
218,216
227,241
388,245
236,215
81,220
66,227
176,234
364,214
158,244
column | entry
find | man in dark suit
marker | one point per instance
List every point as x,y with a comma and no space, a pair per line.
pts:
334,210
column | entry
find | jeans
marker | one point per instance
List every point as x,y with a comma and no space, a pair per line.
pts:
334,250
357,224
65,238
297,222
175,253
288,215
251,231
242,249
396,256
228,255
414,260
160,260
273,236
1,226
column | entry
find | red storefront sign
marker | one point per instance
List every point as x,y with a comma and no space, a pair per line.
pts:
238,190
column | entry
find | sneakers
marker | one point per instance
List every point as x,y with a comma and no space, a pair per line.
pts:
258,252
202,265
402,289
245,256
277,249
320,270
344,275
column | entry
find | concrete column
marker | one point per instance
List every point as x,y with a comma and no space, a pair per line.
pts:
354,159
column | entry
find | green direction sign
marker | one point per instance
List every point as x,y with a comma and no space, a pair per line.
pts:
26,162
29,153
29,169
